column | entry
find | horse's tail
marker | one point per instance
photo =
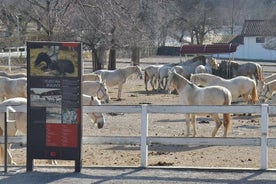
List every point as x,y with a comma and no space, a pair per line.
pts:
227,117
254,94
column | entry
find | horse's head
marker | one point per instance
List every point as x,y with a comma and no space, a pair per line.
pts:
193,78
139,72
265,94
42,56
102,93
213,63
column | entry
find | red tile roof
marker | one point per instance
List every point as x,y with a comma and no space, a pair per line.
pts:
259,28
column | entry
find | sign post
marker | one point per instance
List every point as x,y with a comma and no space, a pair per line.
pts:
54,102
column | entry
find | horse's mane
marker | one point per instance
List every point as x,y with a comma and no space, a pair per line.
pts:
234,64
199,58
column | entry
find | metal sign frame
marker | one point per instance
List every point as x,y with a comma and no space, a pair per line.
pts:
54,127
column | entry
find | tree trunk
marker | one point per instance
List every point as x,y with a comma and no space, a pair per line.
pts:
112,59
135,56
95,60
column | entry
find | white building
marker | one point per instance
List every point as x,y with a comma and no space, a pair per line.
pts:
255,34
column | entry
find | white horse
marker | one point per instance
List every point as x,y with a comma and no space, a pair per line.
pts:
151,74
163,74
119,76
96,88
191,94
211,64
269,89
13,87
238,86
91,77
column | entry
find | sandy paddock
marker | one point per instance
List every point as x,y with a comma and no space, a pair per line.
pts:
164,125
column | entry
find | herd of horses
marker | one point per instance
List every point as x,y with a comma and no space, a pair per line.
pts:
198,81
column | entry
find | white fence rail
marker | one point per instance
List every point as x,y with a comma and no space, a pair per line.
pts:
264,142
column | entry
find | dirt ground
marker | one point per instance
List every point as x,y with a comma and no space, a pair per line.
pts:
172,125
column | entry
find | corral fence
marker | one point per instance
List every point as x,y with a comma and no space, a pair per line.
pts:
263,142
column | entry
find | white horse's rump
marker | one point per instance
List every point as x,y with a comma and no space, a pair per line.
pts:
13,87
240,85
96,88
151,74
119,76
163,74
191,94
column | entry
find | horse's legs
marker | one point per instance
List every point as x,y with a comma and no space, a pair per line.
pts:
151,83
194,124
226,123
120,87
218,124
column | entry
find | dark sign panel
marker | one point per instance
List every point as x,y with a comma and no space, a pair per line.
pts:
54,102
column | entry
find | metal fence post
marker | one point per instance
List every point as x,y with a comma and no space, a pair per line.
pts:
264,135
144,135
5,144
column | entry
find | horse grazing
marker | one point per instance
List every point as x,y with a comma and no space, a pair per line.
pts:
210,65
266,80
269,89
231,69
96,88
62,66
13,87
238,86
119,76
96,117
191,94
151,74
12,75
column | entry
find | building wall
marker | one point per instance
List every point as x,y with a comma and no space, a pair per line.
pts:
251,50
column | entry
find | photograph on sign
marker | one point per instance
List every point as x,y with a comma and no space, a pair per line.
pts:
45,97
54,61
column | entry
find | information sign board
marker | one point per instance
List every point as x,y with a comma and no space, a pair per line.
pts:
54,102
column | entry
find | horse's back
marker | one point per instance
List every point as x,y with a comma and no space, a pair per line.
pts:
210,95
91,77
111,77
14,101
215,95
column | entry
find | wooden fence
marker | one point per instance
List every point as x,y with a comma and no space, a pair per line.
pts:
264,141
